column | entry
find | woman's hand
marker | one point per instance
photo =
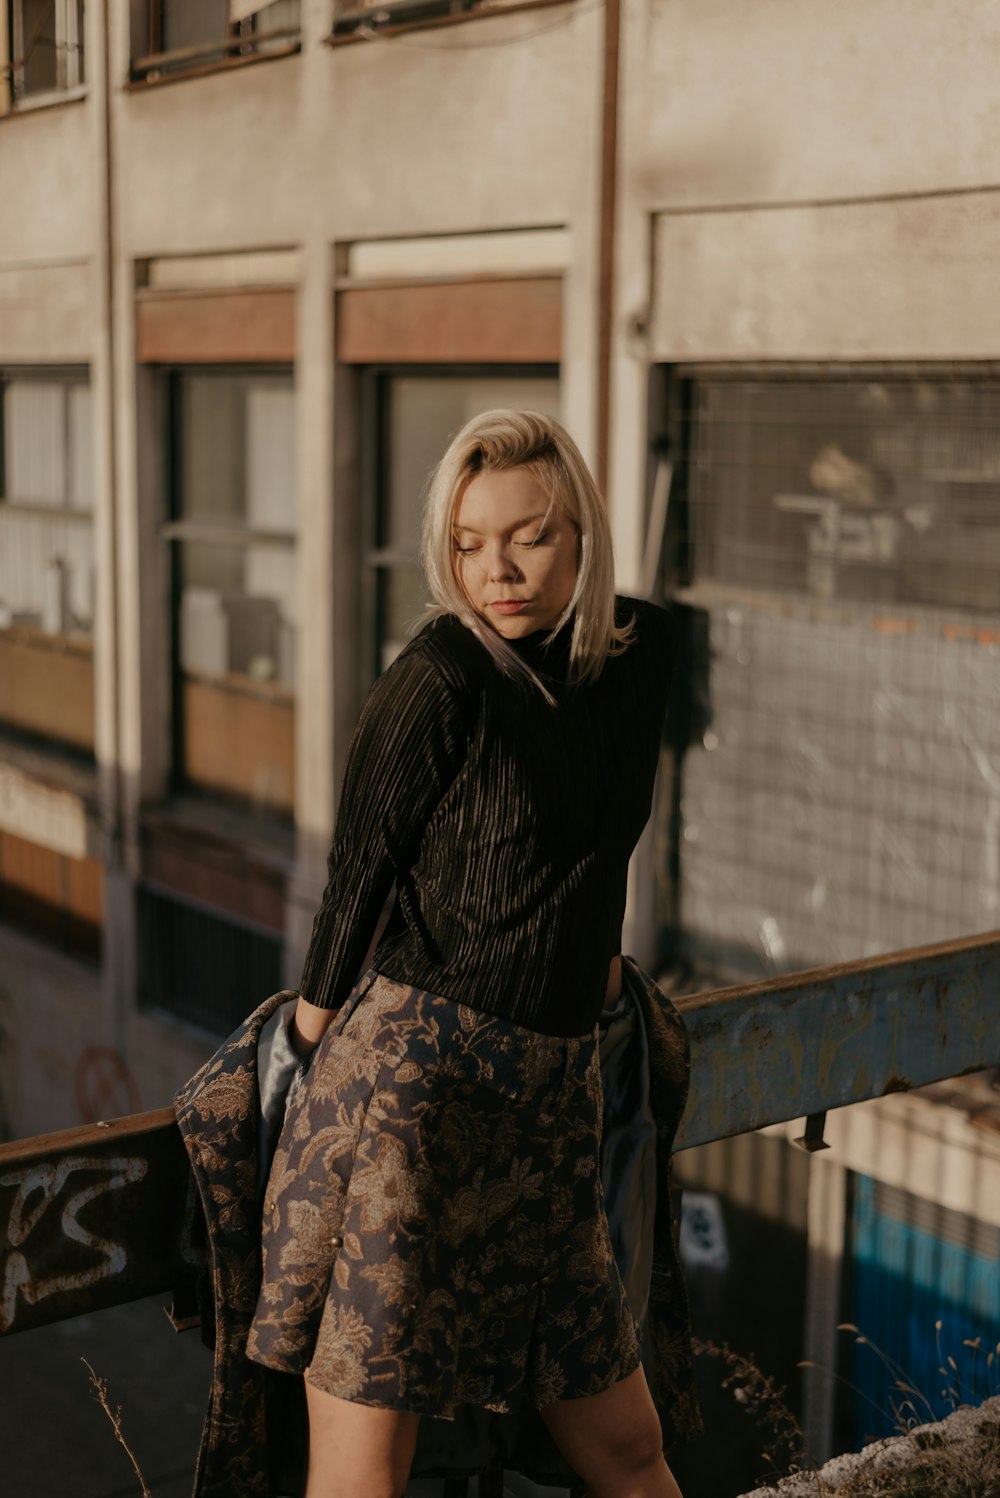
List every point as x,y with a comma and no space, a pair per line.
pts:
613,992
309,1025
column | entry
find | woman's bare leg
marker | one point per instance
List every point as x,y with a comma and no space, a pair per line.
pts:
614,1441
356,1451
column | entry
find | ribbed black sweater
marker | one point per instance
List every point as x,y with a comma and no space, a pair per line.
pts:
506,823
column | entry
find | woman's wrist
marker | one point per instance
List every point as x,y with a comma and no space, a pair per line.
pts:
308,1026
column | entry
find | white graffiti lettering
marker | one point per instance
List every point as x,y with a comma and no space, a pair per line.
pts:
25,1214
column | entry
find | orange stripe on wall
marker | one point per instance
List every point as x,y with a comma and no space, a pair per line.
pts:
216,327
505,321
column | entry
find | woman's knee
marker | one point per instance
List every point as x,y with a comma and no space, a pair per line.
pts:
357,1451
617,1431
632,1449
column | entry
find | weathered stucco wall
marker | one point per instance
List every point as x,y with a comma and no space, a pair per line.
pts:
46,313
477,136
911,279
48,183
773,102
733,110
48,234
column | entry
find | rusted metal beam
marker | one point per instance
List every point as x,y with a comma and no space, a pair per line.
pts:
99,1215
93,1217
785,1048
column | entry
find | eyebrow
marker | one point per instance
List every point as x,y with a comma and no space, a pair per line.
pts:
528,520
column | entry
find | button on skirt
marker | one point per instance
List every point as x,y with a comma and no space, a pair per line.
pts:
434,1231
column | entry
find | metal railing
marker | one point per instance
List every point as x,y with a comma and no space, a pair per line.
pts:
96,1216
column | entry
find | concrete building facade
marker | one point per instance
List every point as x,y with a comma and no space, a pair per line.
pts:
258,261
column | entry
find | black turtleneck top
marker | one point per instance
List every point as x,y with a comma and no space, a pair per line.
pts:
505,821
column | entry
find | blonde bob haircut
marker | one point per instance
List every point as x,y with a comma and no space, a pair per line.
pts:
503,439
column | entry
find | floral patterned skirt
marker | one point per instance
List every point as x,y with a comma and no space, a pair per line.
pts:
434,1231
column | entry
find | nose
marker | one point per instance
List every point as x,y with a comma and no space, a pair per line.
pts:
500,562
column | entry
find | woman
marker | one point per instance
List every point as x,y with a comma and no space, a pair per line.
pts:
434,1230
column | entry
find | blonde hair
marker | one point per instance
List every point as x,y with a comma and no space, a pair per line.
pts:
504,439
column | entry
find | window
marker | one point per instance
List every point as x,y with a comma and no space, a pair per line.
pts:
52,896
46,38
235,610
875,487
46,558
416,415
201,967
836,542
180,36
354,16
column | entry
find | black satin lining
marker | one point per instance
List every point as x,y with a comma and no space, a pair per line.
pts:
628,1145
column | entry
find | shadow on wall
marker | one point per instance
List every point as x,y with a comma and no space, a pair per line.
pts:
743,1240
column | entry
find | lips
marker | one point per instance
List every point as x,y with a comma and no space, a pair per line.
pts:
508,605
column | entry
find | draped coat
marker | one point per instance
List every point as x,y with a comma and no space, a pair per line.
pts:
254,1438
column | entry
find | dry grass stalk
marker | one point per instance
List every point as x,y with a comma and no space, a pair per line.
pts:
100,1388
927,1459
755,1391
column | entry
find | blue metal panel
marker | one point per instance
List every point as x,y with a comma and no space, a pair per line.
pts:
905,1280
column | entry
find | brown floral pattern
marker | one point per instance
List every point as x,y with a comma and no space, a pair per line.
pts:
217,1115
434,1230
256,1418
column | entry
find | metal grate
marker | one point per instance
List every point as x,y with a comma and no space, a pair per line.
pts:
876,489
840,539
200,967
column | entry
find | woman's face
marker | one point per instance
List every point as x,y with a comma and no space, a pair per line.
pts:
518,573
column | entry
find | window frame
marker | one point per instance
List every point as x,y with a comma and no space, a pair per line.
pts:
174,532
396,17
150,64
69,646
717,955
70,30
376,561
62,374
673,386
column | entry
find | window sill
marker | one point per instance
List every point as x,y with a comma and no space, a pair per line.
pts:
226,865
55,768
204,70
266,843
363,27
33,103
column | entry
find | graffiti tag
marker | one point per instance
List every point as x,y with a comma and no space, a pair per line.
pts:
39,1188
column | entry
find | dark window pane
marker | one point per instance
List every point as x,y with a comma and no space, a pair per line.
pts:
421,413
185,23
38,32
213,446
209,971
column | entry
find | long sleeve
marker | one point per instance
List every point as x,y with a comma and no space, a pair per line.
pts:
409,745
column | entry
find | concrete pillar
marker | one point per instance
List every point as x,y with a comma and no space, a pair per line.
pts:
315,766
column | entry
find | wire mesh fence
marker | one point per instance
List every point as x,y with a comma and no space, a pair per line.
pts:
837,536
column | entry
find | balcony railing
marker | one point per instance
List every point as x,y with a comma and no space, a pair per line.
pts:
352,19
262,30
96,1216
